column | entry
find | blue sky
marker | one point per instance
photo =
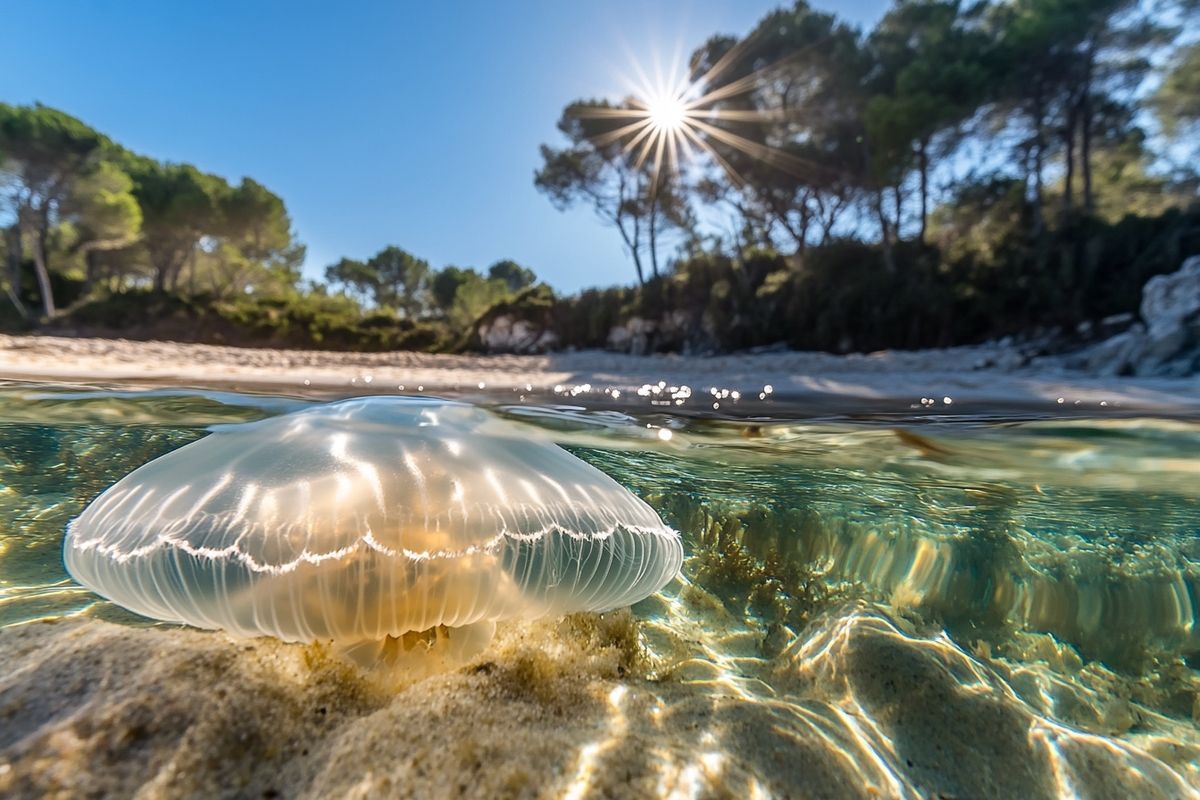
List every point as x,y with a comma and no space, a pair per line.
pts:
377,122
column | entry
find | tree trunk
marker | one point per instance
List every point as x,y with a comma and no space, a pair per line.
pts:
885,238
41,268
631,242
12,240
1085,156
168,268
654,237
923,165
779,212
160,274
898,210
1069,179
192,272
636,248
1085,113
805,221
1039,146
91,269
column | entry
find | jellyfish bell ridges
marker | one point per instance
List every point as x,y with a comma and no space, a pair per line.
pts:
365,522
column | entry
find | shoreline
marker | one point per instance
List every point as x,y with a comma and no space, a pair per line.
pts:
975,378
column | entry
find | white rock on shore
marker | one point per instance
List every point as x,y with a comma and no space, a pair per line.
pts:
1168,343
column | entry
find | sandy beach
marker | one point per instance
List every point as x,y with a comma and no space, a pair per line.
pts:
889,380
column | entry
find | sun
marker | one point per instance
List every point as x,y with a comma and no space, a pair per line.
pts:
666,122
666,112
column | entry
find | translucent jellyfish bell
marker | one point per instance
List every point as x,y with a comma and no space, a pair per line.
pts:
365,521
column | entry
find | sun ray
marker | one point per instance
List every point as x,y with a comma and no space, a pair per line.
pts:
670,121
645,151
685,146
746,115
625,130
600,112
731,89
777,158
647,133
672,150
732,173
659,141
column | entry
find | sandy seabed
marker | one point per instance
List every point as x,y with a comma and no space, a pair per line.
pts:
860,706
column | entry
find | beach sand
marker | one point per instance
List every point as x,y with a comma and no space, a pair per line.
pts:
984,375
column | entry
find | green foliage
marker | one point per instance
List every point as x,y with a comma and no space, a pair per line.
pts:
392,278
179,206
444,285
297,319
511,274
1177,100
44,153
993,279
475,295
102,211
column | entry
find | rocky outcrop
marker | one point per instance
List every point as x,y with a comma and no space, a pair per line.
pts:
676,330
507,334
635,335
1167,341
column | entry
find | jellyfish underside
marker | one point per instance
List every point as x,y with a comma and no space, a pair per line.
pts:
401,531
434,650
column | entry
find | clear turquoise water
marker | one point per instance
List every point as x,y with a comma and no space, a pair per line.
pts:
1062,555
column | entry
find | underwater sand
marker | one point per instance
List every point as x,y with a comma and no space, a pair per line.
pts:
895,607
863,709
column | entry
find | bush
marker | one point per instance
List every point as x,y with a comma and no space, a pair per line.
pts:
977,280
304,320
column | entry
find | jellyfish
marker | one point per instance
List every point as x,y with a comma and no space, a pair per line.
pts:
389,526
